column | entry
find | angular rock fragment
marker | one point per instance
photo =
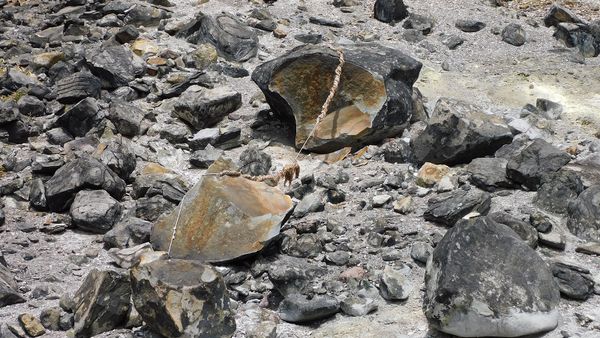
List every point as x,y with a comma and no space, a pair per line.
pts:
390,10
557,14
448,208
118,156
80,118
537,159
395,284
31,325
95,211
482,280
101,303
514,34
574,282
489,173
8,286
216,211
79,174
128,232
297,83
115,66
296,308
458,132
126,117
233,39
77,87
180,298
584,214
557,190
525,230
206,108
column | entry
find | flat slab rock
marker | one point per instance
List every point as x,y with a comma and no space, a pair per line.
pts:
297,84
223,218
448,208
483,280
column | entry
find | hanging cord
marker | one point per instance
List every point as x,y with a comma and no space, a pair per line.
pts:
289,171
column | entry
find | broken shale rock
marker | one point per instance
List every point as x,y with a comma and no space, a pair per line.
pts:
223,218
448,208
207,107
483,280
297,84
182,298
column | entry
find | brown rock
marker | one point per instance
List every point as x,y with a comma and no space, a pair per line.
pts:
31,325
222,218
430,174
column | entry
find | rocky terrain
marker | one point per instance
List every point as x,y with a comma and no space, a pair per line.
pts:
165,171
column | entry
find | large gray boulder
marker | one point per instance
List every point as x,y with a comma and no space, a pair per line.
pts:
95,211
528,166
584,214
390,10
458,132
374,99
483,280
181,298
449,207
80,118
115,66
79,174
207,107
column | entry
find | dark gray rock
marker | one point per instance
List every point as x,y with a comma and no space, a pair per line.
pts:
46,164
202,309
8,112
254,161
233,39
574,282
296,308
584,214
290,275
145,15
31,106
525,230
176,132
9,293
319,20
114,65
361,116
549,109
151,208
536,160
102,303
77,87
421,23
469,26
58,136
483,280
304,245
557,190
50,318
37,194
358,305
489,173
80,118
448,208
168,185
458,132
541,221
118,155
128,232
580,36
203,158
397,151
313,202
390,10
127,34
312,38
126,117
557,14
79,174
514,34
95,211
208,107
452,42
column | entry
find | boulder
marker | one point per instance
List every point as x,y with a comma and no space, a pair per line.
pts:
459,132
102,303
527,166
79,174
126,117
180,298
483,280
207,107
489,173
390,10
297,308
447,208
514,34
128,232
31,106
214,213
584,214
95,211
557,190
297,84
77,87
395,283
80,118
118,155
233,39
151,208
114,65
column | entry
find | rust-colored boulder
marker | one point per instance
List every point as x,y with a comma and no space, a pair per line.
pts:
222,218
374,99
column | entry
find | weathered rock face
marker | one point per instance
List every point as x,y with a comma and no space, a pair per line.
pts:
297,84
459,132
95,211
179,298
77,87
101,303
483,280
539,158
233,39
223,218
79,174
584,214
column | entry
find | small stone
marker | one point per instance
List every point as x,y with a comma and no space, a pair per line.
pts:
430,174
296,308
381,200
469,26
395,284
420,252
553,240
514,34
357,306
403,205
